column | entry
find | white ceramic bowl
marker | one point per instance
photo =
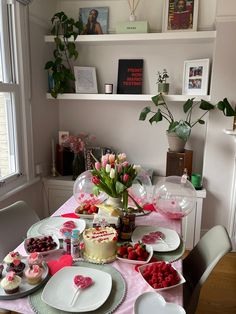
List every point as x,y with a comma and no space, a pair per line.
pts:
55,239
142,268
135,262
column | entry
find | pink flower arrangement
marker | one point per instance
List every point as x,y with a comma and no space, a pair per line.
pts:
114,175
77,143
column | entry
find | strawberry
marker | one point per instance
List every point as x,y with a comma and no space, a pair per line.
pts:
132,255
122,250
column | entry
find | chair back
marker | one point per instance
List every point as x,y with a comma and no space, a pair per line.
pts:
198,265
15,220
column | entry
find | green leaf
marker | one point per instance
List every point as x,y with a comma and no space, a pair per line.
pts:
157,117
225,106
49,65
188,105
156,99
172,126
120,187
205,105
144,113
201,121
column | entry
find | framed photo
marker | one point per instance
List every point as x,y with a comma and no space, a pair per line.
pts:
95,20
196,76
62,136
85,80
94,152
180,15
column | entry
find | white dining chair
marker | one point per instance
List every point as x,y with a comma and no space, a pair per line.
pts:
198,265
15,220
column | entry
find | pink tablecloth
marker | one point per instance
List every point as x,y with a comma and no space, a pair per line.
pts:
135,285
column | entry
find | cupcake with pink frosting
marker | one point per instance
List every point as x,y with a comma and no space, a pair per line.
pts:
11,283
33,274
12,256
35,259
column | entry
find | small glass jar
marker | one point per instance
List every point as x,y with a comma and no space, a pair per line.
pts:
67,243
75,245
127,226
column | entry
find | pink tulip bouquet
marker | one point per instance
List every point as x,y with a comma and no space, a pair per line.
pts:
114,175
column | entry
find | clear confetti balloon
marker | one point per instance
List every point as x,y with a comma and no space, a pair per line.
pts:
138,193
144,178
175,197
83,190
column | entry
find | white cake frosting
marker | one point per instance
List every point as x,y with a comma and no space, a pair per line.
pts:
100,244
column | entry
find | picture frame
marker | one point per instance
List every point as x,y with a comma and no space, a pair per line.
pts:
195,77
97,152
62,136
95,20
180,15
85,80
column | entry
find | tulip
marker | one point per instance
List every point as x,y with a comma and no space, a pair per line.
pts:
105,158
125,177
119,168
112,158
104,163
112,173
125,163
137,168
108,168
122,157
95,180
97,165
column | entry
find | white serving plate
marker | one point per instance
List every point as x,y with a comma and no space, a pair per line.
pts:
60,289
55,239
152,303
182,280
52,225
170,243
135,262
25,288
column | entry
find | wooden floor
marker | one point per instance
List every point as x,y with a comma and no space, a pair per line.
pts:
218,296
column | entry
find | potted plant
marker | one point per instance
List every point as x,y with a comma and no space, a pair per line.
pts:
163,86
180,130
61,76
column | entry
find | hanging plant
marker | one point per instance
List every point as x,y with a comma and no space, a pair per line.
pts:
60,68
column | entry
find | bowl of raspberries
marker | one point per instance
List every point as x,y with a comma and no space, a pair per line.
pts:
161,275
134,253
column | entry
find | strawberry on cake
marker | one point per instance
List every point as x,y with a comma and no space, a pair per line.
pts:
100,244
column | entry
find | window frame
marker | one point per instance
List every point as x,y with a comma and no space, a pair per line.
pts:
21,90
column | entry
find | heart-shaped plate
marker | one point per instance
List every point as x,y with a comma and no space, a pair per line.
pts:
152,303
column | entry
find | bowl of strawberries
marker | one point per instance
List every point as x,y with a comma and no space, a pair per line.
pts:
161,275
134,253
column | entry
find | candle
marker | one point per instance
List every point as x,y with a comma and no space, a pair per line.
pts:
53,152
108,88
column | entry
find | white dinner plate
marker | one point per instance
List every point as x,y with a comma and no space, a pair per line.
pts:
170,243
52,225
60,289
152,303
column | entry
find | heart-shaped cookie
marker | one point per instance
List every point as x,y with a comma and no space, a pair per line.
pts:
152,303
55,265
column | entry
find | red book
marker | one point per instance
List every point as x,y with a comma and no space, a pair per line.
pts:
181,20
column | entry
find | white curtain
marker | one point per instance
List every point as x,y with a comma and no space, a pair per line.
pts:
25,2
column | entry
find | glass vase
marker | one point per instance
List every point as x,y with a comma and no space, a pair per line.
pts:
77,165
115,202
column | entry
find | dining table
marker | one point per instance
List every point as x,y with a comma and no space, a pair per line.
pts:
134,284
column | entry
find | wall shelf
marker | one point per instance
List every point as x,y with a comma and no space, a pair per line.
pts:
126,97
190,37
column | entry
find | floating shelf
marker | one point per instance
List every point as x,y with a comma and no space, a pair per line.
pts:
126,97
200,36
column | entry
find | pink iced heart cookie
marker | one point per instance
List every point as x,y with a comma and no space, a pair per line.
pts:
55,265
82,282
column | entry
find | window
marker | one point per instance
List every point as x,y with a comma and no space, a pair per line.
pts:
12,103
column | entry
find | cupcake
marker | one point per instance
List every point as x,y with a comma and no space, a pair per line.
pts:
11,257
17,266
33,274
1,269
35,259
11,283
